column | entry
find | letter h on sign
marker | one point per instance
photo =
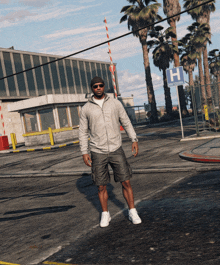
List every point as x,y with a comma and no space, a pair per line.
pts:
175,76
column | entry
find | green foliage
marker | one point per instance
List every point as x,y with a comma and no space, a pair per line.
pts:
140,14
214,62
199,11
163,47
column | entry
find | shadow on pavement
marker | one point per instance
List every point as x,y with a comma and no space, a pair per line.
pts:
85,185
180,226
34,212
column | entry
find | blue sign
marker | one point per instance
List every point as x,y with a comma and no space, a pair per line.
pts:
175,76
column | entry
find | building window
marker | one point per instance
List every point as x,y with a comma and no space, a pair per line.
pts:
47,76
8,68
39,78
29,74
2,83
30,119
63,118
62,77
20,77
47,119
111,86
74,110
99,72
105,77
77,78
83,76
55,76
70,77
89,76
93,69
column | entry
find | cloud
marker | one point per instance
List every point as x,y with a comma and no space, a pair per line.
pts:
214,23
34,3
26,16
4,2
86,1
135,84
61,34
73,41
16,16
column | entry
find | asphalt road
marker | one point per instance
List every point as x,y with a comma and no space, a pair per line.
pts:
57,218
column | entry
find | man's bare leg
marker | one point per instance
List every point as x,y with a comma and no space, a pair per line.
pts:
129,197
103,197
128,193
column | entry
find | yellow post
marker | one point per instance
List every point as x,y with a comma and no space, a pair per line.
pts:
206,112
51,136
13,140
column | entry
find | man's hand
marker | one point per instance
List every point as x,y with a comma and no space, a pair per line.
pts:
135,148
87,160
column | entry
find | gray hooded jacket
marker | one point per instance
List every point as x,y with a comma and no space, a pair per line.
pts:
102,125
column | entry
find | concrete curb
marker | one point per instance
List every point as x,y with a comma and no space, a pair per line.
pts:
39,149
189,155
200,138
78,174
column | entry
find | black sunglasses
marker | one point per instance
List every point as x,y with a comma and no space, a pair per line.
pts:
95,86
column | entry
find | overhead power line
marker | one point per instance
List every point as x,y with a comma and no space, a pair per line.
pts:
105,42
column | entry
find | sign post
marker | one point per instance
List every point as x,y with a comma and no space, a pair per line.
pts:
175,77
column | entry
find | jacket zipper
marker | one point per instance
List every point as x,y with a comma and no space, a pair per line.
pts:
105,123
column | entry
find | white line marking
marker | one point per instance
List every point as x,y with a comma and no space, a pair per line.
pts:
46,255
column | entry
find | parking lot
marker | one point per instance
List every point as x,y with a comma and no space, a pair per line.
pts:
50,216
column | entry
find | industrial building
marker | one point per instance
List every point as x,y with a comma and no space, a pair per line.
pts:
48,96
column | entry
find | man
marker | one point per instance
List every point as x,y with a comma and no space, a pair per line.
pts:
100,120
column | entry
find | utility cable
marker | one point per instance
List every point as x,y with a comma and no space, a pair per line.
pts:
105,42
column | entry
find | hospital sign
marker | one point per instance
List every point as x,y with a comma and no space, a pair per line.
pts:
175,76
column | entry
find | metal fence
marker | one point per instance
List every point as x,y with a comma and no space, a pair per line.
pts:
138,114
206,109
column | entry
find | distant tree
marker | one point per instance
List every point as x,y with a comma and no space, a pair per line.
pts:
197,37
214,65
162,55
138,15
170,8
189,56
202,15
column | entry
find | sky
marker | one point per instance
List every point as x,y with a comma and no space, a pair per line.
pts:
62,27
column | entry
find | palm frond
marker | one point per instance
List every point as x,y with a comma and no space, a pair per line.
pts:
132,1
124,18
158,28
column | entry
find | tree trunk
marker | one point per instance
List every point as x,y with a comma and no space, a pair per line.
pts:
205,18
191,81
218,84
191,85
150,89
176,64
167,95
207,76
202,82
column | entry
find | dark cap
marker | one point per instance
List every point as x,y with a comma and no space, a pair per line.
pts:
95,80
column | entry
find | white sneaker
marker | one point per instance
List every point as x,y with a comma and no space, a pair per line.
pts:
105,219
134,217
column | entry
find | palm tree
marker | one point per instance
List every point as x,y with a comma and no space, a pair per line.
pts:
189,56
138,15
188,60
202,15
170,8
197,38
214,65
162,55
